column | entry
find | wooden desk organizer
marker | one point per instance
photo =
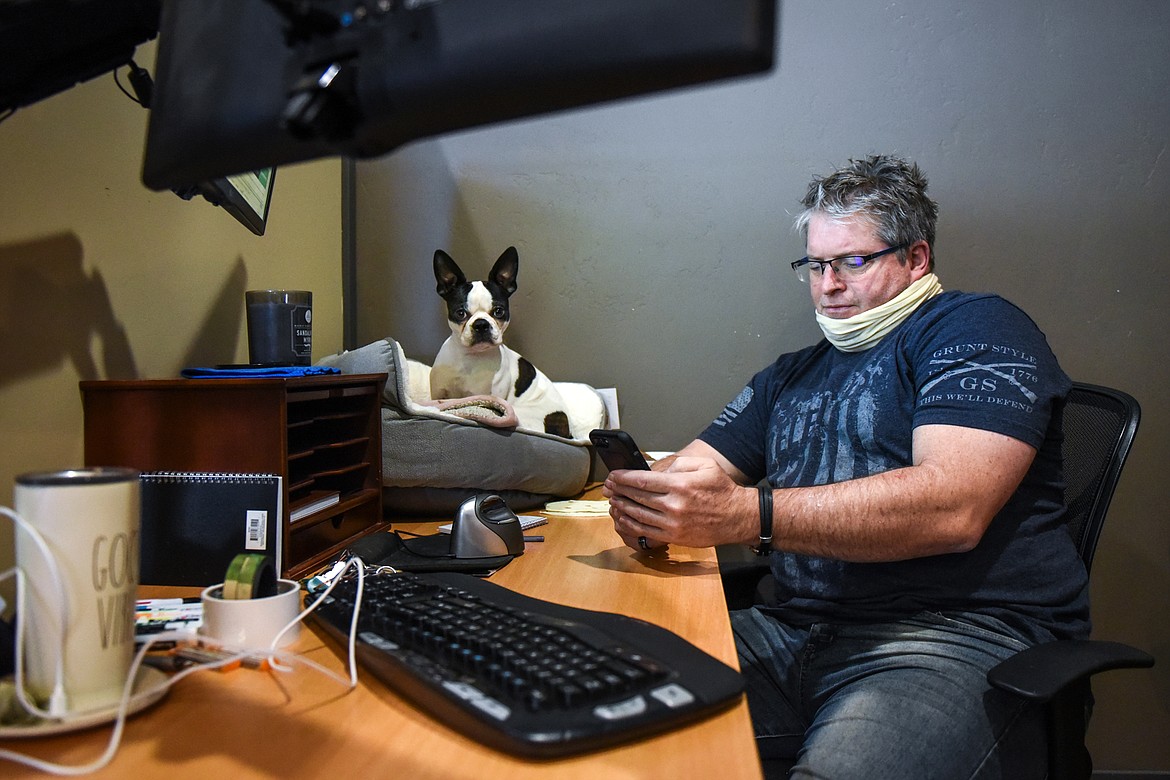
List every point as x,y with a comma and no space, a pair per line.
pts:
320,433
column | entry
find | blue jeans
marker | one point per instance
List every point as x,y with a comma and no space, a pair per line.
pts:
905,700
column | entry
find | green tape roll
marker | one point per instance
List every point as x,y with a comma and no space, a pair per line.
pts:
250,576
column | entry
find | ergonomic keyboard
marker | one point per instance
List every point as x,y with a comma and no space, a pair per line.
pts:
523,675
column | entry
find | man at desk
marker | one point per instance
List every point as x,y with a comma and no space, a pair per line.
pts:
912,496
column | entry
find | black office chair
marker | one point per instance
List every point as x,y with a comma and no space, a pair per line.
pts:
1099,427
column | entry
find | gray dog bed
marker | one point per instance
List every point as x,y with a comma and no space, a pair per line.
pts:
433,460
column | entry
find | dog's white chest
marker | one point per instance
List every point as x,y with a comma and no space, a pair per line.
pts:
458,373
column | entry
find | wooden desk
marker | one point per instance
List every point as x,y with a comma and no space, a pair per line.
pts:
247,724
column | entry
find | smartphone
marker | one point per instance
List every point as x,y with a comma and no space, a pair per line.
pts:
617,449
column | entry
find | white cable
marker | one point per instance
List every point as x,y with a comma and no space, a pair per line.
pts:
127,695
360,568
21,693
275,656
57,699
111,750
55,713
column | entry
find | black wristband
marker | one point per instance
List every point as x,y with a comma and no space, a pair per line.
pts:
765,545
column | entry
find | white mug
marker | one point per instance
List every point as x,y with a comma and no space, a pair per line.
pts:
89,519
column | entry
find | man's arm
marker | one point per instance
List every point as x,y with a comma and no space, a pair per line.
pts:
942,503
701,449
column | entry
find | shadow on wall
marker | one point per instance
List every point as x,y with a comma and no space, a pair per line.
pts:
408,205
215,341
51,310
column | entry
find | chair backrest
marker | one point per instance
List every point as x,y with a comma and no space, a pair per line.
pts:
1099,426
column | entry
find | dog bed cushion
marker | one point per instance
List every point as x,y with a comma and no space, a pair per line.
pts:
434,459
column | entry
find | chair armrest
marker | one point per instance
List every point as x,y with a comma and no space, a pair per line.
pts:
741,573
1042,671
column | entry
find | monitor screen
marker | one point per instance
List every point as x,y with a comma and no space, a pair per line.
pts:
246,196
242,85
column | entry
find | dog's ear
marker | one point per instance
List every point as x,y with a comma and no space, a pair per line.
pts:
447,273
504,271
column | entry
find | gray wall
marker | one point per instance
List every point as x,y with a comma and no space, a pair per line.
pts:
654,236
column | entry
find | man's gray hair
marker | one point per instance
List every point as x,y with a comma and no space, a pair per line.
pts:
889,191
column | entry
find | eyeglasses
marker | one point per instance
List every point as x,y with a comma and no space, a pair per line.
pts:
849,265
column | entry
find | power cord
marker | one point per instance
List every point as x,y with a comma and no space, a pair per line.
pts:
57,700
140,82
351,683
122,712
57,709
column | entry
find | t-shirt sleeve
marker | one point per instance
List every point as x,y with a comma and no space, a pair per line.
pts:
987,366
739,433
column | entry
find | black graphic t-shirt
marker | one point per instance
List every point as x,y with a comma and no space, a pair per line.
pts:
820,416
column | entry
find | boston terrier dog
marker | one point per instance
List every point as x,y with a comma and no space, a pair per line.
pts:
474,361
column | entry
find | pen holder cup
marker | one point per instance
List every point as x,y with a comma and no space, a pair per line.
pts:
251,624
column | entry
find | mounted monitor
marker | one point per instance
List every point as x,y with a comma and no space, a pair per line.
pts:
246,196
242,85
48,46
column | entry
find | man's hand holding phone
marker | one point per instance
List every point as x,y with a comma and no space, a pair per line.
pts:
618,451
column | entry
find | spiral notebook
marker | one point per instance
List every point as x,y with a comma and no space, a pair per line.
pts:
194,523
